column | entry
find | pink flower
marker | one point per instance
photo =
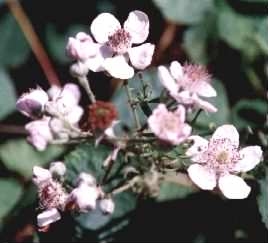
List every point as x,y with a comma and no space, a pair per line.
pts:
39,133
116,42
32,104
187,83
169,126
218,160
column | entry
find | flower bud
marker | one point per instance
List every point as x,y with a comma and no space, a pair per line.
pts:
40,175
39,133
79,69
57,168
85,178
47,217
32,104
84,197
107,206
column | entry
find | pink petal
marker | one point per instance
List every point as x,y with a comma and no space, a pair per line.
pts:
176,70
202,177
227,132
199,145
233,187
75,115
118,67
181,113
137,24
141,56
70,94
167,80
251,156
206,106
206,90
103,26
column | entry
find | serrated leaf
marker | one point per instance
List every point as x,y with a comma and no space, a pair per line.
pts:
86,158
262,199
185,11
57,41
19,156
10,193
13,49
172,191
222,116
249,112
7,94
120,98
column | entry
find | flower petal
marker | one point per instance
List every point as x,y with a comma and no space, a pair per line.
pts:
233,187
251,156
206,106
47,217
199,145
205,89
176,70
141,56
103,26
166,79
227,131
118,67
202,177
137,24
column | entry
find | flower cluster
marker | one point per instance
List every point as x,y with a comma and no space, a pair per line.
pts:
154,149
54,198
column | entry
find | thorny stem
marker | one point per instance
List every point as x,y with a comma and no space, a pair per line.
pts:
14,129
85,84
132,105
33,40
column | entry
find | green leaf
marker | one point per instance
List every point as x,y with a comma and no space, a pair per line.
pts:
13,49
10,193
125,202
7,94
19,156
172,191
57,41
249,112
220,117
120,98
241,32
86,158
185,11
262,199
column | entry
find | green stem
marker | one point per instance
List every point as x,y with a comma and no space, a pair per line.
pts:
132,105
85,84
195,117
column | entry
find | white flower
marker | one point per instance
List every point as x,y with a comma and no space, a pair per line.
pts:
187,83
169,126
86,178
47,217
84,197
32,104
116,44
41,176
219,159
107,205
39,133
57,168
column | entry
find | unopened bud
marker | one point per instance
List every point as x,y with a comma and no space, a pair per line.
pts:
107,205
79,69
57,168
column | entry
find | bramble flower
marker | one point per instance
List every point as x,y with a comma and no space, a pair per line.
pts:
39,133
218,160
169,126
32,104
187,83
116,44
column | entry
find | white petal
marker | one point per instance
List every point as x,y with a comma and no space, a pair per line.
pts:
107,205
202,177
118,67
47,217
205,89
137,24
57,168
141,56
251,156
103,26
176,70
199,145
40,175
70,94
167,80
229,132
75,115
206,106
181,113
86,178
233,187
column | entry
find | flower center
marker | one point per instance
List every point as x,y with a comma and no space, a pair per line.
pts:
222,157
120,41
